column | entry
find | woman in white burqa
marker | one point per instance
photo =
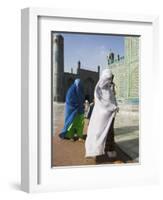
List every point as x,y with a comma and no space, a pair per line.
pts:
102,118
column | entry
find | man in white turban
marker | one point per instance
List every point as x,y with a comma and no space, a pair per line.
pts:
100,129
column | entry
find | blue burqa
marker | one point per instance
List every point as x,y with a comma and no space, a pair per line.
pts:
74,104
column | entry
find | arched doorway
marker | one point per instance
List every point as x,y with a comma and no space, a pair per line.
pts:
89,89
69,82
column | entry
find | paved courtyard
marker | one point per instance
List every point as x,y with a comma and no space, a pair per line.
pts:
68,153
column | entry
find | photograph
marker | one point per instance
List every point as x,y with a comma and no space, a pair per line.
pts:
95,99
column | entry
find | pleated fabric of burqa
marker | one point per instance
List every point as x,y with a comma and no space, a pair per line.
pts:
103,113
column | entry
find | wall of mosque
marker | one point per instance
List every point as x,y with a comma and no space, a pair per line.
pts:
126,72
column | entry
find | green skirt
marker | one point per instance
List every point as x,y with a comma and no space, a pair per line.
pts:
76,128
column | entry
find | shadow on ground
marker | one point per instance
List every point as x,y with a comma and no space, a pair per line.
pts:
130,147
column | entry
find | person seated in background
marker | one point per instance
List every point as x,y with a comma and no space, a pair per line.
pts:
86,107
90,109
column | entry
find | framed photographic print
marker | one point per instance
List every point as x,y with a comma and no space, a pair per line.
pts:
88,119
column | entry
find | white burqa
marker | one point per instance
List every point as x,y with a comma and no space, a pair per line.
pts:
103,113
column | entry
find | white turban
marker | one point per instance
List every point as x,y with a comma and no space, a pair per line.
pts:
106,73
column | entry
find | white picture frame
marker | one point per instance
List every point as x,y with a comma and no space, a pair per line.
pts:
36,171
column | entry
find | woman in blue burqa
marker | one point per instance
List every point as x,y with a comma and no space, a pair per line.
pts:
74,112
